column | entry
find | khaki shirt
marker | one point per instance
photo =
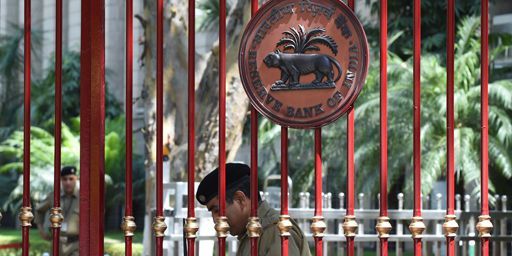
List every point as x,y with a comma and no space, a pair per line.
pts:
70,205
269,243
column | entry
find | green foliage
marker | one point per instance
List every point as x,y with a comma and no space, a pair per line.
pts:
43,93
433,119
433,23
400,133
11,64
210,13
114,243
41,149
42,159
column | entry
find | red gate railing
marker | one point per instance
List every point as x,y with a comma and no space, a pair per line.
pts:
92,127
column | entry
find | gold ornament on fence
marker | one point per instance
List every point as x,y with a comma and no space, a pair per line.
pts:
128,225
254,227
285,225
318,226
450,225
484,226
383,227
26,216
56,217
222,226
191,227
417,227
350,226
159,226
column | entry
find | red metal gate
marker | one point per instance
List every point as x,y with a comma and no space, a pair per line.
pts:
92,140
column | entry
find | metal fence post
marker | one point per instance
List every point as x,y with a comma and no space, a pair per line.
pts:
503,226
400,225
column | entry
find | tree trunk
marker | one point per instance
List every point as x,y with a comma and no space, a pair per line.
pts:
175,98
175,83
236,100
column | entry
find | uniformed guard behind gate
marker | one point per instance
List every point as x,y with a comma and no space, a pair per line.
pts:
332,81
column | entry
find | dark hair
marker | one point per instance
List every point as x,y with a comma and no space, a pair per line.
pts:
244,185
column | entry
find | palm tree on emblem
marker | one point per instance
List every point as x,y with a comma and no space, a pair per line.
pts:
301,40
300,62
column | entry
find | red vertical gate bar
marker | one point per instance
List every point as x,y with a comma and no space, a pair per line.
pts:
450,225
318,225
26,215
222,226
128,224
254,227
484,225
191,226
350,224
159,226
56,213
92,127
417,226
284,218
383,226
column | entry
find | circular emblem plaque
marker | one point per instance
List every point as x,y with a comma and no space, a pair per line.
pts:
303,63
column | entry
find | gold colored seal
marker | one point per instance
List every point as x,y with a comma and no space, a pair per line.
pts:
159,226
56,217
191,227
383,227
26,216
450,225
222,226
128,225
318,226
484,226
350,226
417,227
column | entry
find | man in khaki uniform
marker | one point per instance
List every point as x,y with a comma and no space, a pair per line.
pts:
70,203
238,208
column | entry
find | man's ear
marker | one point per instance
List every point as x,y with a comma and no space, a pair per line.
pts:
240,198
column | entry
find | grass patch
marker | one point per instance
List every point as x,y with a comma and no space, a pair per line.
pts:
114,243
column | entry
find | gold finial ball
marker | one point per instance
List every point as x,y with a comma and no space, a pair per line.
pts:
284,225
191,227
56,217
26,216
450,225
350,226
318,226
222,226
128,225
383,227
484,226
254,227
417,227
159,226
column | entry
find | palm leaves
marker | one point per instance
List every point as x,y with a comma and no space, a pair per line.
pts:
433,130
209,13
301,41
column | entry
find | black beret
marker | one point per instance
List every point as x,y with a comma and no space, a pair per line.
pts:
208,188
67,170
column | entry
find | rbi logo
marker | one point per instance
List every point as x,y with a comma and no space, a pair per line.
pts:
303,63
